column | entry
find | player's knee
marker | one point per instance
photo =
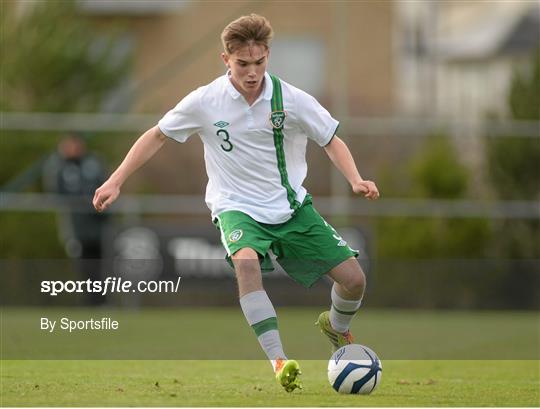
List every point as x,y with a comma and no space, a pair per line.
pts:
246,267
357,282
361,280
246,263
248,276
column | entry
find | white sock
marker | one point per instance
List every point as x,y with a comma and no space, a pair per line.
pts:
342,311
260,314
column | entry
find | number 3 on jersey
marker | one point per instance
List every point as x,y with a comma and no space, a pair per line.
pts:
227,146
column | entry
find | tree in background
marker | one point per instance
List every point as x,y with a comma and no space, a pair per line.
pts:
514,172
435,172
52,60
508,251
513,161
420,257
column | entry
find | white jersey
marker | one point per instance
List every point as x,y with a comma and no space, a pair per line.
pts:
246,170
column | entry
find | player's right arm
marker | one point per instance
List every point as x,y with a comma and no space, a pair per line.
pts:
142,150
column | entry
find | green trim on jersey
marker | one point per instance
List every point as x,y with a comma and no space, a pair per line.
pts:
277,106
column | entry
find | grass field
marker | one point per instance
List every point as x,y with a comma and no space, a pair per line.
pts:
250,383
30,377
188,333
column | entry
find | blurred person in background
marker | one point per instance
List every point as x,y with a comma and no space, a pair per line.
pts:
75,173
254,128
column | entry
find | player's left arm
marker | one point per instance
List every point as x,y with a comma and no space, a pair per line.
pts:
341,157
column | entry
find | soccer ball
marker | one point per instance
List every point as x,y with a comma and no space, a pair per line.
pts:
354,369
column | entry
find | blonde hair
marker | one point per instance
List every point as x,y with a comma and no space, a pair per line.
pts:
247,30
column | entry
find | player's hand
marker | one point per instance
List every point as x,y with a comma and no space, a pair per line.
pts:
367,188
105,195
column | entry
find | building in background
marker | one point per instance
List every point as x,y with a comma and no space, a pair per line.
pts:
457,59
456,62
322,47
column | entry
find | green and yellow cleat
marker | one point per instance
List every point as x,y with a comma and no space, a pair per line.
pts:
338,339
287,373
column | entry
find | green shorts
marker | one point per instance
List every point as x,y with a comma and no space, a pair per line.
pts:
306,246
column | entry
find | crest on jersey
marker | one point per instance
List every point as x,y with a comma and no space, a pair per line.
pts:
277,119
236,235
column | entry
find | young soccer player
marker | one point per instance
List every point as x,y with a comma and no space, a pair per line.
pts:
254,128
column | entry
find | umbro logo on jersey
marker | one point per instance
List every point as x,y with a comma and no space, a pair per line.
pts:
221,124
277,118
